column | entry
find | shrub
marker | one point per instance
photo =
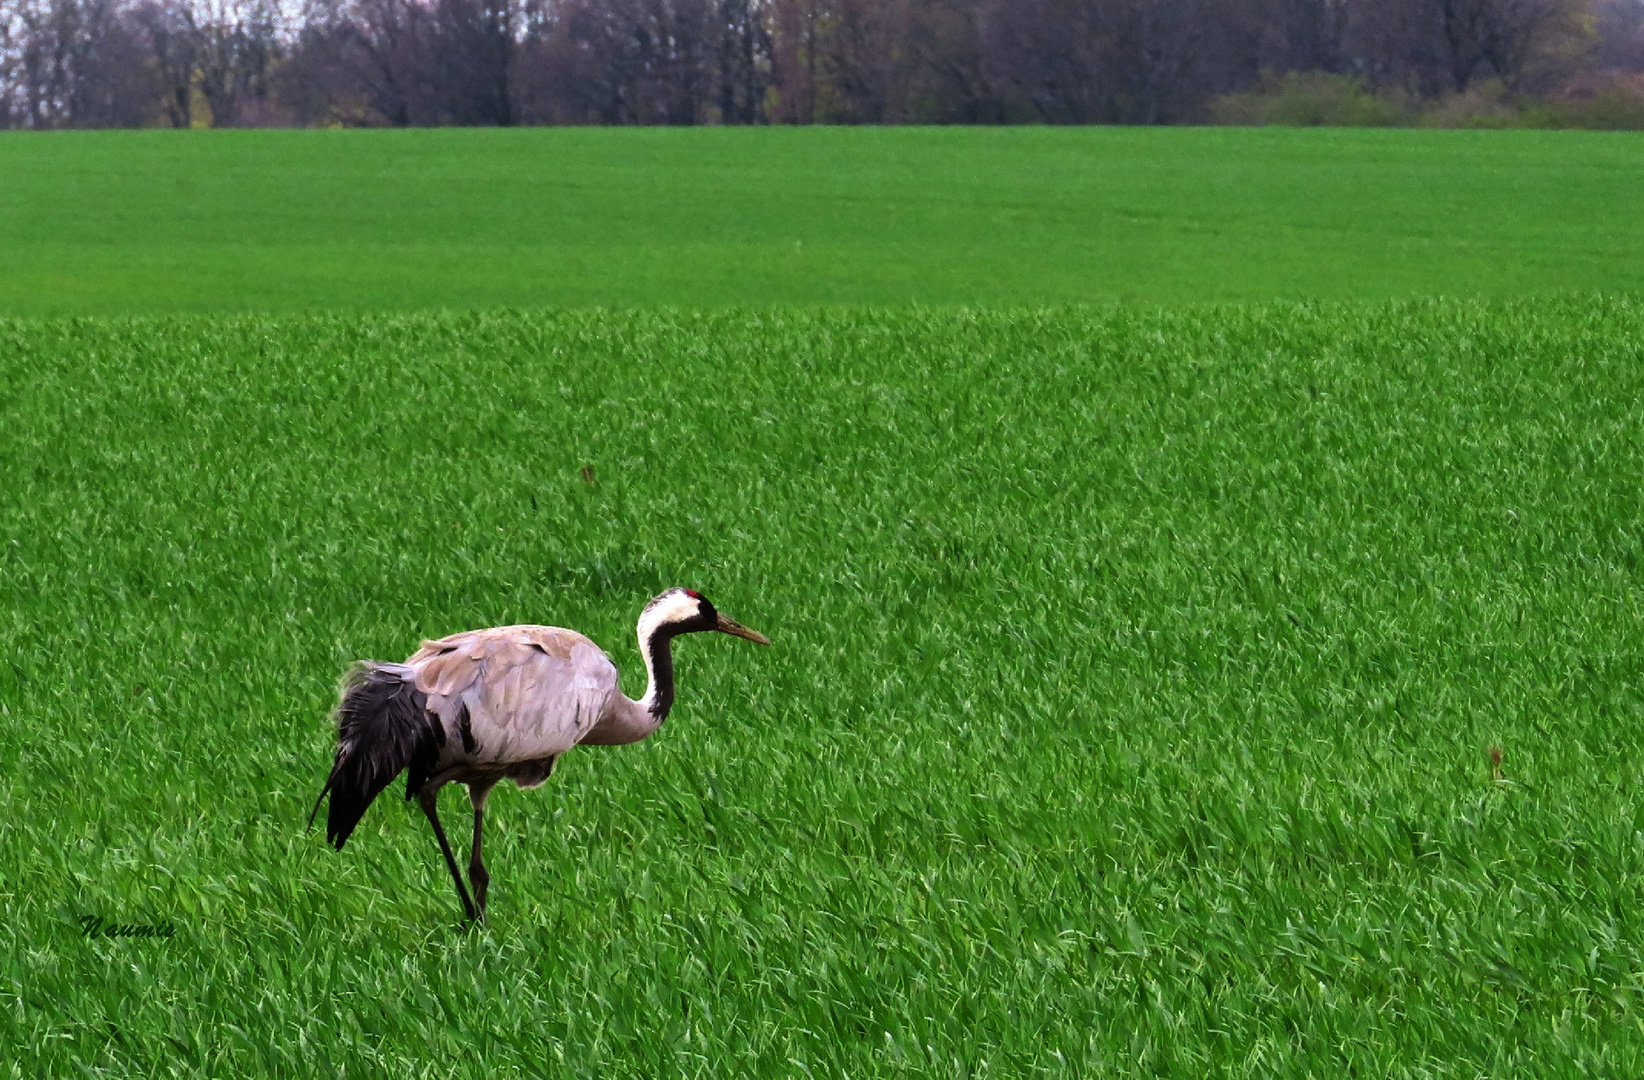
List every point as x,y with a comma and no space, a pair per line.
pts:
1310,99
1486,104
1611,101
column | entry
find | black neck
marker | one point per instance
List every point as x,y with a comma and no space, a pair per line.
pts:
660,659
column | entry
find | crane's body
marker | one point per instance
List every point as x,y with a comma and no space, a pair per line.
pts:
503,703
514,693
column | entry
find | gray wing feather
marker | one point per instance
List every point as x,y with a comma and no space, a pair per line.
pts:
525,692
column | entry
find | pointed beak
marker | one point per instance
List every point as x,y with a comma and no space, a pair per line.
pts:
736,629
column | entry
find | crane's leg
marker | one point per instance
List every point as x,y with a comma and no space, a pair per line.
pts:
477,877
429,798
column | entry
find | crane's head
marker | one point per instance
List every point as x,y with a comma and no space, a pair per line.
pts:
686,611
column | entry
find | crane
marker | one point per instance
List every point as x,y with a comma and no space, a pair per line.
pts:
484,705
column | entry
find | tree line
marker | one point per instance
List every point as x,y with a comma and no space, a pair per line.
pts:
184,63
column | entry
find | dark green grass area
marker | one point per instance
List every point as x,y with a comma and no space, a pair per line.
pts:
1133,682
146,222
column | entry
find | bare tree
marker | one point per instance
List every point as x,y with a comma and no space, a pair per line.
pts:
391,41
1312,34
742,61
239,45
1619,33
472,51
797,28
1438,46
72,63
952,67
174,49
645,61
315,83
11,91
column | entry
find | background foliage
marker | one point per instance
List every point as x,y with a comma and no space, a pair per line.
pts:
183,63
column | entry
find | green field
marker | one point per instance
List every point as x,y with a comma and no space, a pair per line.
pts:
146,222
1134,677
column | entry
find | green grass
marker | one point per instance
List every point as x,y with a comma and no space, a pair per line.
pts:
1128,713
147,222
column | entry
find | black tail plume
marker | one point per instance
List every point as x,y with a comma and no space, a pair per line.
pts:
383,726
